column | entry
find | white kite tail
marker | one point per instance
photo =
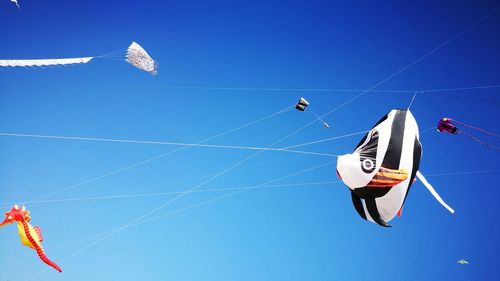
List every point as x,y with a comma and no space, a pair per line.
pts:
17,4
44,62
433,192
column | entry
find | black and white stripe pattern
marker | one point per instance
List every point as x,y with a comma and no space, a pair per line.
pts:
392,143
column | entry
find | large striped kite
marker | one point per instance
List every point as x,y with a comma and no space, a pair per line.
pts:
383,167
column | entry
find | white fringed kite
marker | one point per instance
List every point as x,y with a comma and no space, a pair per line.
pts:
135,55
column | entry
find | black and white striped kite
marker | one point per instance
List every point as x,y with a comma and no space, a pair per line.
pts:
383,167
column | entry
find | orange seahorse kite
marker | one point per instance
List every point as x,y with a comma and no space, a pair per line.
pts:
30,236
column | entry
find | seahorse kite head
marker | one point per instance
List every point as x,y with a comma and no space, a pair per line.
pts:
16,214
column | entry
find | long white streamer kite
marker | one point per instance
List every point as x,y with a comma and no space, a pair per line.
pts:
135,55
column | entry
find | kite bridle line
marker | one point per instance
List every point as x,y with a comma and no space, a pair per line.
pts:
412,100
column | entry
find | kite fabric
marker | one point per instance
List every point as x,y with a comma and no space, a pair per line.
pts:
135,56
44,62
139,58
302,104
433,192
383,166
446,125
30,236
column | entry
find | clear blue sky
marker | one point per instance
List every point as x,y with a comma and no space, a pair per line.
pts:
307,232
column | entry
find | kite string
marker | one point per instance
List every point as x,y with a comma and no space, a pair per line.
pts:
426,91
317,116
412,99
123,227
165,143
101,176
478,129
261,187
143,190
285,148
211,200
463,173
136,164
234,193
255,89
428,130
138,219
413,62
461,89
324,140
114,54
166,193
255,187
479,141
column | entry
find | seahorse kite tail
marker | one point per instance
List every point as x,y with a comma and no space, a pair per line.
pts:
30,236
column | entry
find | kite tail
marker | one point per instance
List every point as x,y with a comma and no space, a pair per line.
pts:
38,248
479,141
433,192
47,261
478,129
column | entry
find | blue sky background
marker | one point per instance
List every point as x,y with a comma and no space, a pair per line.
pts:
308,232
